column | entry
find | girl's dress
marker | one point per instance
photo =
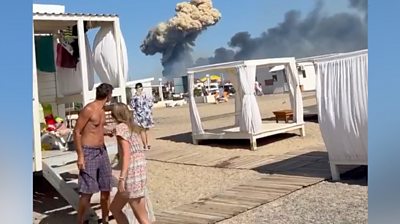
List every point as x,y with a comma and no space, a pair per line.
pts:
135,182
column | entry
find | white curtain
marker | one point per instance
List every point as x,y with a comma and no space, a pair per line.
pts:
250,117
342,94
105,56
194,113
233,76
69,80
295,96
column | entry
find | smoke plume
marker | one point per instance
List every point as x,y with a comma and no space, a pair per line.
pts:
300,37
175,38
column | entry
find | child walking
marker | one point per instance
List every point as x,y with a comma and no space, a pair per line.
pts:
132,179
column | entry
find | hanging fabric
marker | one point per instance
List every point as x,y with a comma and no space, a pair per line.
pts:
64,58
69,44
342,96
44,53
69,80
105,56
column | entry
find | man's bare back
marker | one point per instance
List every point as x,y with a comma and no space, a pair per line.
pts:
93,132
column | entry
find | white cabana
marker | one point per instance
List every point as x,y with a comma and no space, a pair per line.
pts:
62,83
76,84
342,96
65,84
248,122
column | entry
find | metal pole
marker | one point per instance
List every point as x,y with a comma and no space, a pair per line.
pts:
160,89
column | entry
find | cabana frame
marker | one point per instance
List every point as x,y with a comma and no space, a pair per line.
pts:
248,122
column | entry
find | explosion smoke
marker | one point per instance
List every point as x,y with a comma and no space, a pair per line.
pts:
174,39
315,34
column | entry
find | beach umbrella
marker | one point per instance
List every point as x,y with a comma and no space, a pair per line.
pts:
204,79
215,78
212,78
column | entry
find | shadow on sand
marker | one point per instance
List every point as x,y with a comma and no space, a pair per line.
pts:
236,143
46,201
314,164
49,203
231,144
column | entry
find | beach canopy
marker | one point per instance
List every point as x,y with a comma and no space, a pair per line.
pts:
342,96
242,74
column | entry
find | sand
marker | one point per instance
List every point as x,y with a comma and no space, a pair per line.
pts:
172,185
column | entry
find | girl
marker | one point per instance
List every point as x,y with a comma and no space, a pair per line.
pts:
132,179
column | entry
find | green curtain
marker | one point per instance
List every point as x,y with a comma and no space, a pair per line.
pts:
45,54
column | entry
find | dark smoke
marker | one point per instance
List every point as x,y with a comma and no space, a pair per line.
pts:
361,5
300,37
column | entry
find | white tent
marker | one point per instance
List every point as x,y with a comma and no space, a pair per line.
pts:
342,96
248,122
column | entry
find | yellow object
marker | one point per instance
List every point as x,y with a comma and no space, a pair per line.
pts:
59,119
212,78
46,146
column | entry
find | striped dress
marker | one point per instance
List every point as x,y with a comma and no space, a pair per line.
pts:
135,182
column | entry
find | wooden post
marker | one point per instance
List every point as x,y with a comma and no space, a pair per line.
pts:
253,143
37,145
303,131
297,105
120,61
334,172
83,62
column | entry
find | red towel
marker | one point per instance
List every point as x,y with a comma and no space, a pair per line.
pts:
64,58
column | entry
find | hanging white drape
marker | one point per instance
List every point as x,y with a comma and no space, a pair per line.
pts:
250,117
295,96
233,76
69,80
105,56
342,94
194,113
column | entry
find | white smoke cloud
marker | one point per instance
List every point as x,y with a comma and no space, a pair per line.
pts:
174,39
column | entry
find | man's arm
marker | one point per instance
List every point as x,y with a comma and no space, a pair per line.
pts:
83,118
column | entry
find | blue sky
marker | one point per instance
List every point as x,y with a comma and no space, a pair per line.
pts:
137,17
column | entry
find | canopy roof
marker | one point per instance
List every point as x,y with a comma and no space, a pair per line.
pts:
52,22
233,64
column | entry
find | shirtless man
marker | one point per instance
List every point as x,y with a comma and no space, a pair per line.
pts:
93,162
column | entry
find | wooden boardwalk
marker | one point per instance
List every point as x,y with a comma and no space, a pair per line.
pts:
285,174
236,200
198,158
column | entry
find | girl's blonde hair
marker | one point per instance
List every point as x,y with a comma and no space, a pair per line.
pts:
120,112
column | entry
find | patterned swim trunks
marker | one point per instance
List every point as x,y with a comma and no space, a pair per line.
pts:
97,173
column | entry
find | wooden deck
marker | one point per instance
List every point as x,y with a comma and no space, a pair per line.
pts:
233,132
198,158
